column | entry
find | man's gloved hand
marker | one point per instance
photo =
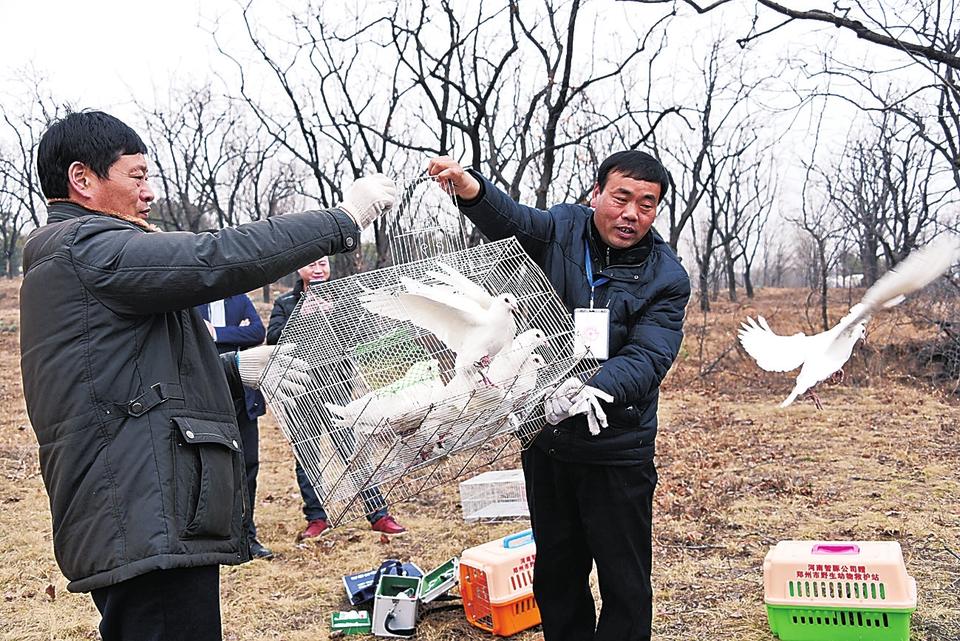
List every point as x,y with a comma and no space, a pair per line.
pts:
369,198
572,397
252,363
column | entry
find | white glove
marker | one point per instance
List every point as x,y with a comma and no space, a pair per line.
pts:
368,198
252,363
573,397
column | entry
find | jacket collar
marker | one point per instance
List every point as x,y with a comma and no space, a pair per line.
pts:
59,210
298,287
604,255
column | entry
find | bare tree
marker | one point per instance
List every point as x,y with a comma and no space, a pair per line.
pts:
719,107
24,124
915,28
204,154
827,233
776,259
751,188
514,88
338,120
22,203
887,186
14,218
762,192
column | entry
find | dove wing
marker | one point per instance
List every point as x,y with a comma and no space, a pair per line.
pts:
462,284
773,352
451,319
446,314
384,304
914,272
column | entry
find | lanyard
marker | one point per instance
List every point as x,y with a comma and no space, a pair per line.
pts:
603,280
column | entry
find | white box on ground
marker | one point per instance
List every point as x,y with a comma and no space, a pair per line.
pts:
395,606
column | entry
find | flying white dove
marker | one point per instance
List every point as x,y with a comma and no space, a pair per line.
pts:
472,323
822,355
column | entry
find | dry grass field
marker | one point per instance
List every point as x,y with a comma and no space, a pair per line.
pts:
737,474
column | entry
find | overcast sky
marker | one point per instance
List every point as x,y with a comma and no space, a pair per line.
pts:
106,54
103,53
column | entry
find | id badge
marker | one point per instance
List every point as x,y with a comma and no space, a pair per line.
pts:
592,331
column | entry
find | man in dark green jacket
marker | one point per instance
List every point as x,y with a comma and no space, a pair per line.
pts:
590,474
132,406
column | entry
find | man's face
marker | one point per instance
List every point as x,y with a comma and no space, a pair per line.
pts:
625,209
316,272
125,190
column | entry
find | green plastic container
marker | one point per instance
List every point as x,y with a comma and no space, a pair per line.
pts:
838,591
352,622
838,624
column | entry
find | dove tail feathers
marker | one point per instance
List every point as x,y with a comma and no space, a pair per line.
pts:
790,399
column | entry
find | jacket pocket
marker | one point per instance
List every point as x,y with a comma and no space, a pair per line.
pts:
208,476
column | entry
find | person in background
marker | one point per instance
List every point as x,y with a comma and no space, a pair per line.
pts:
317,523
590,473
235,325
133,409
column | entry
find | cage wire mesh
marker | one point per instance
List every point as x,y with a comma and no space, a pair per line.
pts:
386,413
426,222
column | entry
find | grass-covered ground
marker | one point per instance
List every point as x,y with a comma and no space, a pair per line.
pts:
737,474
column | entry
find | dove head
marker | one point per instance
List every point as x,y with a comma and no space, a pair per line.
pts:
510,301
532,339
860,331
424,370
536,362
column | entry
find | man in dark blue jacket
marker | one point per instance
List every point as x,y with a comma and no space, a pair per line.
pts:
234,324
590,490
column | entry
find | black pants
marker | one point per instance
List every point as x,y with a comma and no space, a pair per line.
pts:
182,604
250,438
583,514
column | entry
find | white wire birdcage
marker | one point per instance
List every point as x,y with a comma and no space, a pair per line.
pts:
385,414
426,222
495,495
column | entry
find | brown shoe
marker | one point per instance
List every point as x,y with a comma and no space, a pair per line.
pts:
388,525
314,529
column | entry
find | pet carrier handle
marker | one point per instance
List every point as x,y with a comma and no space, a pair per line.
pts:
510,542
841,548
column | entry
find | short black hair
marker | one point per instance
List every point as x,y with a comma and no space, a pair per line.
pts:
94,138
638,165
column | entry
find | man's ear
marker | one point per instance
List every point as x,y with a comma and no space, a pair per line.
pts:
80,179
595,195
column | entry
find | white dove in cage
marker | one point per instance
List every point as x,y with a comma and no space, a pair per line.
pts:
474,324
402,403
505,367
823,355
517,395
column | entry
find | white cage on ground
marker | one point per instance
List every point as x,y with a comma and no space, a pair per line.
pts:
496,495
389,412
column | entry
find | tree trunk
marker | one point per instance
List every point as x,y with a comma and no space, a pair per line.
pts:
822,251
704,282
731,278
868,258
747,282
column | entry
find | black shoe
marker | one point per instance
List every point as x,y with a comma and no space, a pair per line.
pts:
258,551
